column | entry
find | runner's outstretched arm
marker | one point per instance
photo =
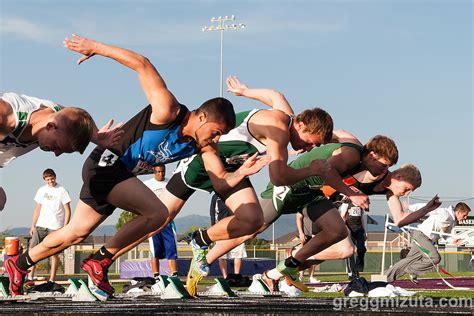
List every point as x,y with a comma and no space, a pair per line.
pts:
164,104
269,97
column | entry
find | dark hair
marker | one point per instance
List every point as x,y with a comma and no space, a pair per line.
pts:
219,110
49,173
317,121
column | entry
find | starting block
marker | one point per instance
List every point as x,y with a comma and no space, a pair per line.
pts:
175,289
82,292
221,288
258,286
4,283
160,286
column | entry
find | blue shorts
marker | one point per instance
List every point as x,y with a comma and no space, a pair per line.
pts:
163,244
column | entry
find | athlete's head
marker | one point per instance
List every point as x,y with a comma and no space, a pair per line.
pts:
159,172
404,180
380,153
311,128
461,210
215,117
67,131
49,176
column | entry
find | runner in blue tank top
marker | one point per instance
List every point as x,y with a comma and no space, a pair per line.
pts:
163,132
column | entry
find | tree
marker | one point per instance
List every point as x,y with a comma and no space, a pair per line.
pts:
124,218
260,243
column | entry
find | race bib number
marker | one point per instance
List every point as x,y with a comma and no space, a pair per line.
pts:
355,211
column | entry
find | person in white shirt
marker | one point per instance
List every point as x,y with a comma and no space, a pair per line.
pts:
417,262
163,245
52,211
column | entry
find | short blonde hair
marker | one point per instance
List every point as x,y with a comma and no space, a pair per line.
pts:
409,173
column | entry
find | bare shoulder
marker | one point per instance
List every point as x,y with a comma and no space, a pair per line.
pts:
165,115
343,136
269,124
270,117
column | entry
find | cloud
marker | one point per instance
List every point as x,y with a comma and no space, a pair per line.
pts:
29,30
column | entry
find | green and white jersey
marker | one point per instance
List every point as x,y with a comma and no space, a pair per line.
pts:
291,199
23,106
234,148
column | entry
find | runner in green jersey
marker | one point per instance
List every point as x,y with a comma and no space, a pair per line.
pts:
344,159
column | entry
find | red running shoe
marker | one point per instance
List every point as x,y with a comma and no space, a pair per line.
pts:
97,271
16,275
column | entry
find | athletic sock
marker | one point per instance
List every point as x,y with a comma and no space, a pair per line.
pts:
156,274
174,274
202,238
102,254
274,274
291,262
24,261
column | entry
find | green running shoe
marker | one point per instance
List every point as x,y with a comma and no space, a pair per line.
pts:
291,276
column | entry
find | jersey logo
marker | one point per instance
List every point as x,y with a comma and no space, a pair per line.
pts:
108,158
163,154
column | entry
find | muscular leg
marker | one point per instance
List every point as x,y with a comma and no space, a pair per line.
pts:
224,246
340,250
83,222
247,218
332,231
132,195
172,205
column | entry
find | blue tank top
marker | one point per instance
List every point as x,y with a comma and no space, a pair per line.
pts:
145,145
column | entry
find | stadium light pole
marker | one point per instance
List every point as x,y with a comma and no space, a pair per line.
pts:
221,27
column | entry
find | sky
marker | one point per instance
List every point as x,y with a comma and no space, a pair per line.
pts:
397,68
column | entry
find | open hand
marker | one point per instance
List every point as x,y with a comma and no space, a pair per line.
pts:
254,164
434,203
235,86
80,45
108,136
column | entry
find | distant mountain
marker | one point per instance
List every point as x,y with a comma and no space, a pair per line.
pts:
107,230
183,223
284,225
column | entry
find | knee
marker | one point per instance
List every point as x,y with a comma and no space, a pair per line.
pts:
78,237
156,219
